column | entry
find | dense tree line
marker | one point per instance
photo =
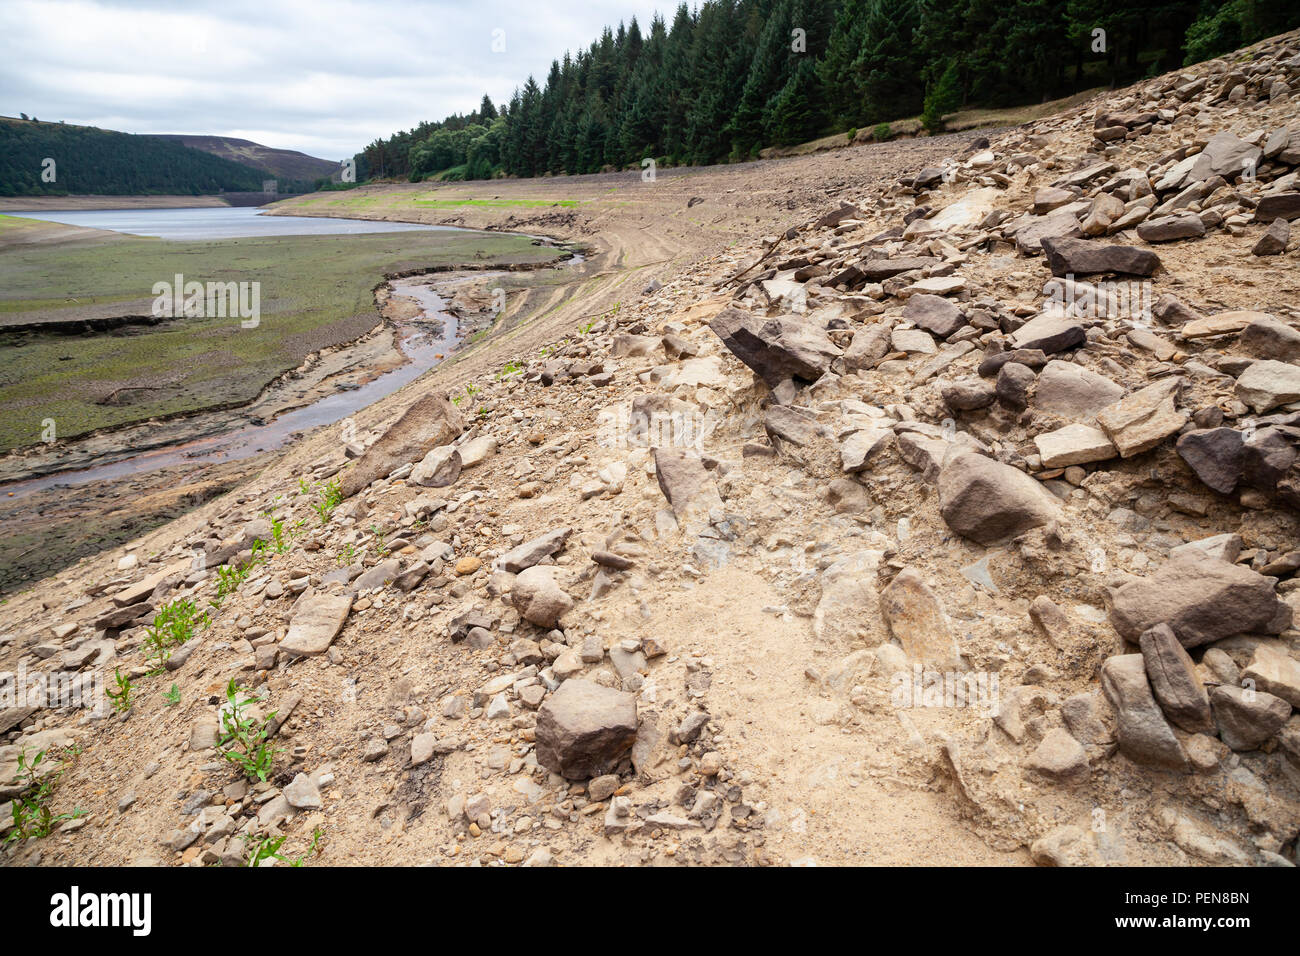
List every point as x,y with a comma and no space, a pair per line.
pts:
88,160
732,76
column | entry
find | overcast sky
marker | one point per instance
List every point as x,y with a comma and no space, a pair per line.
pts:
322,76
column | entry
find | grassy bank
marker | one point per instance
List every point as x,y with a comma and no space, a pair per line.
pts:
316,291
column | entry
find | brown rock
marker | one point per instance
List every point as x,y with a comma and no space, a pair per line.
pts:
430,422
916,618
584,729
1143,733
1202,598
1247,718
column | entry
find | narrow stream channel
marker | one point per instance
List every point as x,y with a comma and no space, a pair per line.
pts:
423,350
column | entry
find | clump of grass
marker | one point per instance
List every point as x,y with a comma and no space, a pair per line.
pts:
245,741
32,813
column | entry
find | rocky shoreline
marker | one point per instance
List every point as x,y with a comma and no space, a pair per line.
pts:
955,523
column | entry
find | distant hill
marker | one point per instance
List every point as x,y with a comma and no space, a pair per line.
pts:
287,164
92,161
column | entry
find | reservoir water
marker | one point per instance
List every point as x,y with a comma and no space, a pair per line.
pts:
217,222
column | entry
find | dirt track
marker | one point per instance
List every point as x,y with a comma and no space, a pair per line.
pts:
632,231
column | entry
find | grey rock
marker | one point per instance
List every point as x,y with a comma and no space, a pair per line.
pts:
1247,718
1085,257
316,623
530,552
777,348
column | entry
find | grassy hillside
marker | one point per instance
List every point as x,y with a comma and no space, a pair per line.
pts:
286,164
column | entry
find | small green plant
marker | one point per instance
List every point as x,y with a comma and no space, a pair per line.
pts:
173,625
482,411
267,848
279,536
245,741
510,370
304,486
347,555
331,496
121,697
586,327
882,132
32,815
380,534
173,696
229,578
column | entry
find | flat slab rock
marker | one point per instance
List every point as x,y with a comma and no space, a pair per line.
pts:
916,618
1067,257
530,552
584,729
1141,421
314,627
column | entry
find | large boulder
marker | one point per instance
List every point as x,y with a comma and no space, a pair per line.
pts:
584,729
1226,155
780,348
430,422
1201,598
988,502
1066,257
